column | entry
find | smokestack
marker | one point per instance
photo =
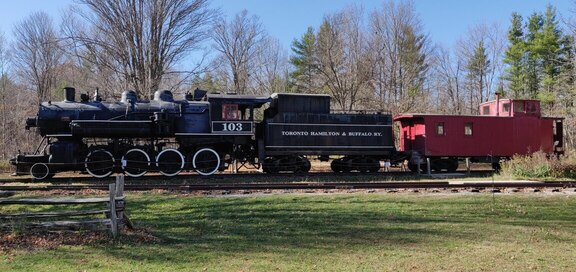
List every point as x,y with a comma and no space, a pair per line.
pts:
69,94
497,103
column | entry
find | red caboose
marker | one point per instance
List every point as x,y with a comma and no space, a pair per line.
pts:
506,127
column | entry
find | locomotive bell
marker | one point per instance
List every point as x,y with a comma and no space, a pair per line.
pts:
129,97
165,96
69,94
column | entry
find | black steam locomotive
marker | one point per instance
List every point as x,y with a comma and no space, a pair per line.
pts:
204,132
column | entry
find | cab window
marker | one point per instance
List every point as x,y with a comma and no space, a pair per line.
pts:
230,112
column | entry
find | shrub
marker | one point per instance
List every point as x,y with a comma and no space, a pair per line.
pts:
5,166
539,165
535,166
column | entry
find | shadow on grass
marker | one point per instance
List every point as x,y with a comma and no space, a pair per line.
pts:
206,228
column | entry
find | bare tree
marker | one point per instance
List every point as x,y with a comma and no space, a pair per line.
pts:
270,76
16,103
402,55
492,39
88,65
567,82
447,81
36,54
4,59
344,65
4,89
239,41
140,40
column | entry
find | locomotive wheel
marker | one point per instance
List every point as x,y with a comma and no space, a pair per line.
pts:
99,163
337,165
452,165
40,171
367,165
414,167
170,162
269,166
135,162
346,165
374,166
305,166
206,161
438,165
302,165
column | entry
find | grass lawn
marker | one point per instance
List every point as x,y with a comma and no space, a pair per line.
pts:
336,232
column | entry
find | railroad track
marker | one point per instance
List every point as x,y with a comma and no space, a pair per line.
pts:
299,186
226,176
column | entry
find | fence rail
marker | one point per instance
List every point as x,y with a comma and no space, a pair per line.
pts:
114,212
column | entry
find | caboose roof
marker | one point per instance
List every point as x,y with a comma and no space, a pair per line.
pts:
504,100
417,115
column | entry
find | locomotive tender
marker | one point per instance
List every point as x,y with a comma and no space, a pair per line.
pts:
203,133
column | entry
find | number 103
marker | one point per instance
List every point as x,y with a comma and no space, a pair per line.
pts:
232,127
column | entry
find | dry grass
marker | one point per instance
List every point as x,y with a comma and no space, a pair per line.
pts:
540,166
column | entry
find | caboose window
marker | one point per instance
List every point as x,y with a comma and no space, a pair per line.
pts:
486,110
440,128
518,106
468,129
230,112
506,107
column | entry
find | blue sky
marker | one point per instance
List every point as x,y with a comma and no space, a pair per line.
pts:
444,20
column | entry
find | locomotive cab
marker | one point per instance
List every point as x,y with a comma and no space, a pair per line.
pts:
229,136
234,114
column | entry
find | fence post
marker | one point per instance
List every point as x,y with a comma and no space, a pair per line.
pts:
119,194
113,219
120,185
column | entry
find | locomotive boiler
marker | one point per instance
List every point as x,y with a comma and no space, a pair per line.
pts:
134,136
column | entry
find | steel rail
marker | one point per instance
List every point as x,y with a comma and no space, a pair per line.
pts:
295,186
85,178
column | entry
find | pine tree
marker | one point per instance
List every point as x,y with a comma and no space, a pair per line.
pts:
534,52
537,58
550,40
413,64
478,66
554,51
514,57
304,62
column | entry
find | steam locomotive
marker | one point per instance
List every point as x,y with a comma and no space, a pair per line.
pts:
204,132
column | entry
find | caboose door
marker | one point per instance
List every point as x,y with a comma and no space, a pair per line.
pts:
407,137
558,137
407,142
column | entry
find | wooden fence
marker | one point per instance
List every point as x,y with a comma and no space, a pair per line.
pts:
114,212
